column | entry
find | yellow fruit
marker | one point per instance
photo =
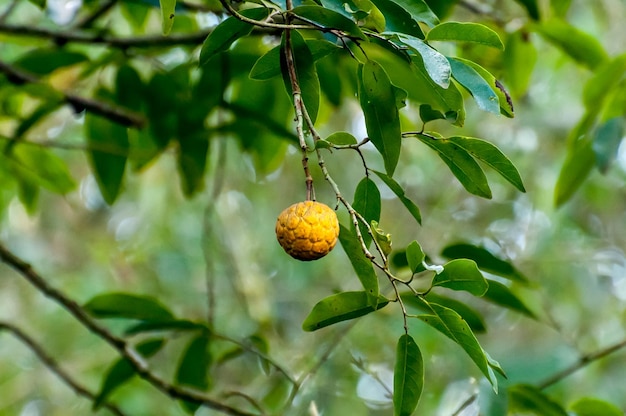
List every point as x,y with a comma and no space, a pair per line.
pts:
307,230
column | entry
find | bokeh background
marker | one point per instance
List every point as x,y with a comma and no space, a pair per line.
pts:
154,241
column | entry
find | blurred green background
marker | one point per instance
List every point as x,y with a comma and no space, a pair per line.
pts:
156,242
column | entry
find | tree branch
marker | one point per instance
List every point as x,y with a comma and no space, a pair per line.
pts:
113,112
147,41
119,344
53,366
582,362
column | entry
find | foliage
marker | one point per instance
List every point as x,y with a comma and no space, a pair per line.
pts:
208,85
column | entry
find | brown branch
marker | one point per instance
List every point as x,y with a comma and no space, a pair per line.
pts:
54,367
147,41
113,112
119,344
582,362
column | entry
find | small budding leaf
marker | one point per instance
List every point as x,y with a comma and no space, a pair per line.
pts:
383,240
408,376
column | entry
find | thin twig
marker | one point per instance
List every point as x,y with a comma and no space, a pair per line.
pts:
54,367
582,362
7,12
100,11
119,344
113,112
298,107
75,36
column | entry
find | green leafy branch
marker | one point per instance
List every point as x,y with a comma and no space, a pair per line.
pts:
113,112
534,394
131,357
54,367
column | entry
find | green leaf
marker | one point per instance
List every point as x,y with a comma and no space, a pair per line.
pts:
383,239
485,260
465,32
461,164
321,48
519,58
193,368
367,203
419,10
532,8
192,160
473,318
506,104
378,101
408,376
38,166
268,65
362,266
160,96
588,406
530,400
340,307
450,323
109,144
580,46
607,138
501,295
45,61
329,19
127,306
165,325
122,370
227,32
483,94
129,88
28,194
604,80
462,274
427,113
415,256
579,162
341,138
436,65
397,189
167,15
398,19
492,156
43,110
306,73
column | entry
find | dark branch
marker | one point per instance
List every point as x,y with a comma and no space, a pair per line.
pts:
583,361
61,37
112,112
119,344
53,366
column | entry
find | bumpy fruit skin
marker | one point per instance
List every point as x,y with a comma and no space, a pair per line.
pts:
307,230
